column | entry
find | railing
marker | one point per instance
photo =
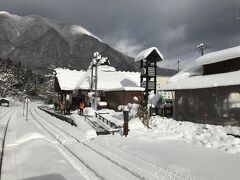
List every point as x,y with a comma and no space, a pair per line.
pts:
59,116
106,121
90,122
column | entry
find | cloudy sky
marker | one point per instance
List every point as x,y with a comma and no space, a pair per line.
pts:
174,27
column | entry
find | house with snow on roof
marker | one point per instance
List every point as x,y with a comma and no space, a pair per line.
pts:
114,87
209,91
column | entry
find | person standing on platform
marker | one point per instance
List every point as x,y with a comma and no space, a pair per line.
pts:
81,107
61,105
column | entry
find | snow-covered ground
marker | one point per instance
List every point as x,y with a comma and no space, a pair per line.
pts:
47,148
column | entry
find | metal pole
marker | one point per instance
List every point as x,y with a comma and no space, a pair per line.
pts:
202,49
96,79
91,78
23,107
178,65
125,123
27,111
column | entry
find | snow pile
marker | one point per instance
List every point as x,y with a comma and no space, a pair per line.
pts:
106,111
84,127
114,117
136,124
209,136
117,118
89,111
102,103
30,136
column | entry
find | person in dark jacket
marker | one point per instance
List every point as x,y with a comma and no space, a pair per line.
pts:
81,107
67,107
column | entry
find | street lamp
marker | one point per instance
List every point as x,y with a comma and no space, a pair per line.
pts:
179,60
96,59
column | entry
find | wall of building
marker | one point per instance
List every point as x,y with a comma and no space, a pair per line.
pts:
222,67
116,98
219,106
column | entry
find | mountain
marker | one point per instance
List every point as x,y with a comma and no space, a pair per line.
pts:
39,42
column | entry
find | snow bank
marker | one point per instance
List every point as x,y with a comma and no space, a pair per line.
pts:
89,111
28,137
209,136
135,124
84,127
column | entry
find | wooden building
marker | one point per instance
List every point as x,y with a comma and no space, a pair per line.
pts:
209,91
114,87
4,102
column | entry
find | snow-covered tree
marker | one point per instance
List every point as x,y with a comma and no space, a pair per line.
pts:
143,113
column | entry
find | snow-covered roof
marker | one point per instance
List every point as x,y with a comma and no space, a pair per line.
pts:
108,79
145,53
219,56
4,99
70,79
207,81
193,78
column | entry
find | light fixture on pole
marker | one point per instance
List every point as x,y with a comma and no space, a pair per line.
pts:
202,47
179,60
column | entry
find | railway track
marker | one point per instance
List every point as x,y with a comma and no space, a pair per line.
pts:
159,168
148,170
5,120
74,149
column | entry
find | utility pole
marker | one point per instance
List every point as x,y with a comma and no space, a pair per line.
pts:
202,47
178,64
91,85
96,79
97,58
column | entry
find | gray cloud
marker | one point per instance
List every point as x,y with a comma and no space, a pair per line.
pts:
175,27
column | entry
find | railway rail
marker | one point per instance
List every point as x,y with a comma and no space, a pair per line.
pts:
61,136
5,120
150,170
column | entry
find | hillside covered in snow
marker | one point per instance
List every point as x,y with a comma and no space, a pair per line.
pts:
38,42
17,80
